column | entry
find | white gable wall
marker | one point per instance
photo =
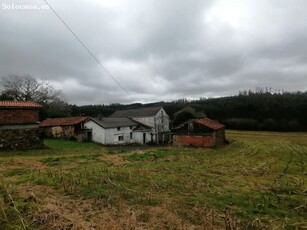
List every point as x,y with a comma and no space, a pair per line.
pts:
98,132
162,121
159,122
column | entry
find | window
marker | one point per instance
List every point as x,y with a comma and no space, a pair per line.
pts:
118,128
121,138
130,127
162,117
131,135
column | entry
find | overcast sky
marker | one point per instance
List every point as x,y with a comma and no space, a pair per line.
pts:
157,49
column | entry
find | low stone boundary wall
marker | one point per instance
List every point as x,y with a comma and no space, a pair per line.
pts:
26,138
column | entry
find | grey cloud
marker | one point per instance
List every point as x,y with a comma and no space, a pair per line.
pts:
158,50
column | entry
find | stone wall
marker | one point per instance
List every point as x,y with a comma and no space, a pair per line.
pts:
220,137
65,132
26,138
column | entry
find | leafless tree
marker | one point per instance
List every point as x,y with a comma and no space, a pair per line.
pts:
27,88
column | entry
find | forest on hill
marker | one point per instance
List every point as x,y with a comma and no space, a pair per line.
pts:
258,109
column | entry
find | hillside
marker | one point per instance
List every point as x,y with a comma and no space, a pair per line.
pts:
250,110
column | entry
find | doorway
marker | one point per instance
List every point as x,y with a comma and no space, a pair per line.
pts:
144,138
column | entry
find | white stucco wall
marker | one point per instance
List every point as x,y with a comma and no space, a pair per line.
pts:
98,132
138,137
112,135
109,136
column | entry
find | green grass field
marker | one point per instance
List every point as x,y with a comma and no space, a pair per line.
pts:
258,181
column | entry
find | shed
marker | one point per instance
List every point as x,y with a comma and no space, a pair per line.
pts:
68,128
19,125
199,132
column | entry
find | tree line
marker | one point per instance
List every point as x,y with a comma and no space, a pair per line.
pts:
259,109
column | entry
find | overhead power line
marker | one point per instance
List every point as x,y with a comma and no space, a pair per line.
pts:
87,49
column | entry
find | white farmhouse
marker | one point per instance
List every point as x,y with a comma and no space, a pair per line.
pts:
154,117
112,131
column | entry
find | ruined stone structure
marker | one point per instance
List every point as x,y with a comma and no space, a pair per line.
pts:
19,125
66,128
199,132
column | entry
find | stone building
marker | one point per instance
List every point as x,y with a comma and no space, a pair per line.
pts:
66,127
199,132
19,125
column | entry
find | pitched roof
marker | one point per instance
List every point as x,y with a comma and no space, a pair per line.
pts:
142,112
108,122
209,123
19,104
62,121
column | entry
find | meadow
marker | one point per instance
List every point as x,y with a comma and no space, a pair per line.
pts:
257,181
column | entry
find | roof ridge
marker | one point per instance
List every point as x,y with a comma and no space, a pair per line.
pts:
112,122
137,112
11,103
152,107
62,121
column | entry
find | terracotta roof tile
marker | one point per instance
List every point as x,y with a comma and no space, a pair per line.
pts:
62,121
19,104
210,123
